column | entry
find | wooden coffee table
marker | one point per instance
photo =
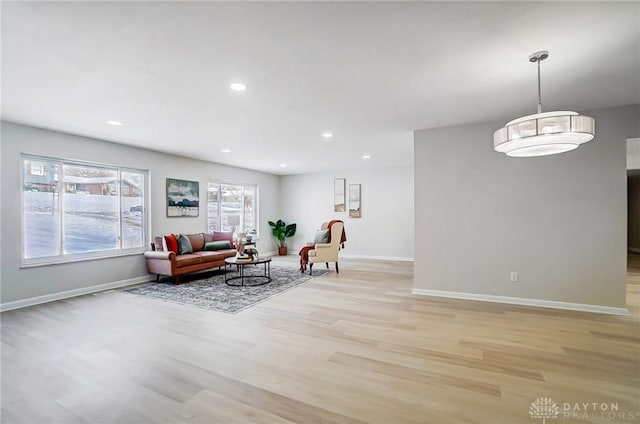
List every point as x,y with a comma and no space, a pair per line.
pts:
252,280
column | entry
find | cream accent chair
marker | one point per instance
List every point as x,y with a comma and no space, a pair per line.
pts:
327,252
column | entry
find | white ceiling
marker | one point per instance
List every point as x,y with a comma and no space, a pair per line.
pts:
369,72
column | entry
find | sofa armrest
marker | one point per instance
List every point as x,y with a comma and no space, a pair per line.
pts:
160,263
322,246
168,256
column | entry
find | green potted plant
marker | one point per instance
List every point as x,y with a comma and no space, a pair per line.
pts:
281,231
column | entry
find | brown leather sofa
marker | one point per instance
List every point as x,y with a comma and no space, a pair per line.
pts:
163,262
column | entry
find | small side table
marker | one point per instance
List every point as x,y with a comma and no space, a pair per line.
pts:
247,246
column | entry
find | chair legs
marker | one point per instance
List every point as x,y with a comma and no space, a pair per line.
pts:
326,263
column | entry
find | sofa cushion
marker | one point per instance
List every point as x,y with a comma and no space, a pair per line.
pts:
217,245
207,237
228,253
172,243
184,245
210,256
188,259
197,241
219,236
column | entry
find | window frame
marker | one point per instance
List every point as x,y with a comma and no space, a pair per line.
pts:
61,257
256,191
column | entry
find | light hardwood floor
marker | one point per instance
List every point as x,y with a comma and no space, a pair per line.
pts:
349,348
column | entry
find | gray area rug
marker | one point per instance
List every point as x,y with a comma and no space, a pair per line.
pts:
208,290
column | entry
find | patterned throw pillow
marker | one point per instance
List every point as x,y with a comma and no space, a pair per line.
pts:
184,245
172,243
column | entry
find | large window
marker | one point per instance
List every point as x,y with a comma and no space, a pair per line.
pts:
232,206
74,210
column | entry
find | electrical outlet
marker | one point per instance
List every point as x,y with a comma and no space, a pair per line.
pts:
514,276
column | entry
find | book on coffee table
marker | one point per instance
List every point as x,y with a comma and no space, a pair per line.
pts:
243,260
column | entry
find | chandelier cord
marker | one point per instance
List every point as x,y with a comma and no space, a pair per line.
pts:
539,91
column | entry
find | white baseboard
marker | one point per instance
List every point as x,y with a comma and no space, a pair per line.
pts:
633,249
524,301
380,258
72,293
269,253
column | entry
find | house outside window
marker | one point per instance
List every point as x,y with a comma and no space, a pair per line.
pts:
232,206
37,169
74,211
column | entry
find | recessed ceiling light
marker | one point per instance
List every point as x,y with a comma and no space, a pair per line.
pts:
366,157
115,123
327,134
283,165
226,150
238,86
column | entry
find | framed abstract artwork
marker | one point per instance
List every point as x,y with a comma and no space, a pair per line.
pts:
339,199
183,198
354,201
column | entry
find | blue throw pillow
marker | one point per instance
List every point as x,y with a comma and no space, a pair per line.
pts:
184,245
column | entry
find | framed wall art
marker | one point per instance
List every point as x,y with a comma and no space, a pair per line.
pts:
339,199
354,201
183,198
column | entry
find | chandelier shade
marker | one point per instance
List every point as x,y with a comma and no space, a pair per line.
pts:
543,133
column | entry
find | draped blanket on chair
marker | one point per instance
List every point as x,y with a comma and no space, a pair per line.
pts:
304,252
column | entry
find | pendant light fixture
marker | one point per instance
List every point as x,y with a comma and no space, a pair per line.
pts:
544,133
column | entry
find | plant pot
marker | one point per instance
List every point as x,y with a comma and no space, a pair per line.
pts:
282,250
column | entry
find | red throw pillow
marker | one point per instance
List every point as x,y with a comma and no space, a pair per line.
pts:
220,236
172,243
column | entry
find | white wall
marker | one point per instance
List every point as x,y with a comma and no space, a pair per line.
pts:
560,221
633,153
633,208
386,227
633,194
18,284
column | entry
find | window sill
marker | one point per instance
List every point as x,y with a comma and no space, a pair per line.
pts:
49,262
